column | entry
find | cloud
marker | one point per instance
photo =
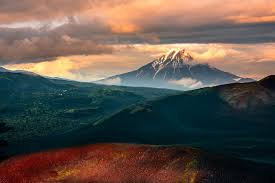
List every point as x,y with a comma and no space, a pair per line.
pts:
245,60
59,68
64,67
122,13
85,68
187,83
182,21
12,11
34,31
211,54
132,21
37,49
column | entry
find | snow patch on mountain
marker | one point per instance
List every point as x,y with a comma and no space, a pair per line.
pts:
175,56
237,79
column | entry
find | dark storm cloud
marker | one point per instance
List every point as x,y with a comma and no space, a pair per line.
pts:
30,45
22,45
223,32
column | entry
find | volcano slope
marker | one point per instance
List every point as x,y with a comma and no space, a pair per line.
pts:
124,163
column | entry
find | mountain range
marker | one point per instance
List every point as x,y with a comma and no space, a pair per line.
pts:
190,128
175,70
234,119
2,69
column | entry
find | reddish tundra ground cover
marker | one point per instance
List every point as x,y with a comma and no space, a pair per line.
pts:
131,163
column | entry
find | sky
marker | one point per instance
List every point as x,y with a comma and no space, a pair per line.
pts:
88,40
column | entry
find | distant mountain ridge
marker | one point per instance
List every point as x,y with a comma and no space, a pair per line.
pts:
176,70
2,69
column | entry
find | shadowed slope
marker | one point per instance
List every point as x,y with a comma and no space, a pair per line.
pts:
269,82
236,119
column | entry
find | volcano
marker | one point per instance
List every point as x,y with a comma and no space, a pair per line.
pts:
175,70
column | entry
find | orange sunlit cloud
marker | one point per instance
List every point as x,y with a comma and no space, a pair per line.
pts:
124,28
243,60
248,19
140,15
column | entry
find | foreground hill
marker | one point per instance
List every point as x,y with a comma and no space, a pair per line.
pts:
235,119
125,163
33,106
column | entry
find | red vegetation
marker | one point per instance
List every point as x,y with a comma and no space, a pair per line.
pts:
123,163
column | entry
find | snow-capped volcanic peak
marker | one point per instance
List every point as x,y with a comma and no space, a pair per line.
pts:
175,58
176,69
177,54
174,55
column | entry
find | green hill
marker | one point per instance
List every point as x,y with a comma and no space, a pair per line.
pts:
32,106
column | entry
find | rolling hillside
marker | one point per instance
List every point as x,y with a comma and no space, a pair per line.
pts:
235,119
32,106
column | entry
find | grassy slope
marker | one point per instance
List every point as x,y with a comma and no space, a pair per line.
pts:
34,106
